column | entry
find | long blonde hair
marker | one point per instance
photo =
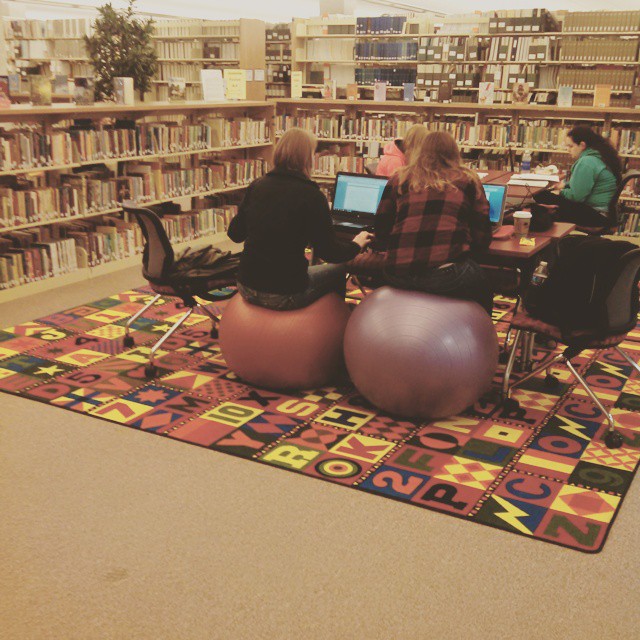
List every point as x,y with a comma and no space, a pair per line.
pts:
295,151
434,163
413,139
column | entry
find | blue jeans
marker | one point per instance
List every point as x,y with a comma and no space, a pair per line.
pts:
464,279
323,279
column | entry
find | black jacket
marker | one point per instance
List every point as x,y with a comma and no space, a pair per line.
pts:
282,213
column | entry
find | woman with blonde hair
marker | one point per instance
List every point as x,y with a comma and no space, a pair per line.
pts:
433,219
282,214
397,152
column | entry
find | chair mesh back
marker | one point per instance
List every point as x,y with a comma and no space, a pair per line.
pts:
614,206
158,254
622,302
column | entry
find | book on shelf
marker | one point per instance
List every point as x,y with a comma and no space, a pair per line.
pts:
177,89
380,91
352,91
565,96
123,90
635,97
296,85
486,93
61,84
445,91
520,92
83,90
329,90
5,100
235,81
409,91
602,95
40,90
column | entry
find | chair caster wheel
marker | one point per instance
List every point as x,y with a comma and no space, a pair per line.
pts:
509,404
128,342
613,439
151,371
214,332
551,381
503,357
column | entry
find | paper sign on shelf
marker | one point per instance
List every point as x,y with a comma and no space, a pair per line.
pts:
296,84
212,85
258,75
236,84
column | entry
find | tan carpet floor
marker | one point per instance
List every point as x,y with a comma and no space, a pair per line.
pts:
107,532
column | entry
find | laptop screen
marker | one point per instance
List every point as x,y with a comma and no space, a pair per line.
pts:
496,195
358,194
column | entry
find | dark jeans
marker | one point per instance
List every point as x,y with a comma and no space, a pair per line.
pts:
578,213
464,279
323,279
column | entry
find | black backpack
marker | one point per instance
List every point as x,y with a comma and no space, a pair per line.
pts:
574,295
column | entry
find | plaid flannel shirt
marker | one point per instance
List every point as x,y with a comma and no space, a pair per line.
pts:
423,230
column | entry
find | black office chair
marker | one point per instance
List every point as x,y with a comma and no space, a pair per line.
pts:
167,276
616,209
621,317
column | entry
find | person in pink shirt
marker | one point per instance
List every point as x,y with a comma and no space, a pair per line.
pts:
397,152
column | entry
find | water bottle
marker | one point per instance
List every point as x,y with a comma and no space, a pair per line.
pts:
540,274
526,162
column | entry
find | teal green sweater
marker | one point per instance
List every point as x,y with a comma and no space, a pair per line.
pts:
591,182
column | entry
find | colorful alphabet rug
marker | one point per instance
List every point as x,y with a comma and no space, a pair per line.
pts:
540,471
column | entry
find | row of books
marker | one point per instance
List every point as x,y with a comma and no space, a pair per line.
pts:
32,148
40,259
75,195
393,77
325,125
327,50
630,226
383,25
329,165
600,50
61,28
182,226
277,33
626,140
180,28
168,70
581,79
92,191
522,20
282,54
279,73
376,50
595,21
522,49
179,49
148,181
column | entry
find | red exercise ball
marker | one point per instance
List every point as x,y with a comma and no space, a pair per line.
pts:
299,349
419,355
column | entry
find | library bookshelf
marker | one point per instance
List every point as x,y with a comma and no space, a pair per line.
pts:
199,156
489,136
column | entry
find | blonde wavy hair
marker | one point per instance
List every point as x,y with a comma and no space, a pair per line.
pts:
295,150
413,139
435,163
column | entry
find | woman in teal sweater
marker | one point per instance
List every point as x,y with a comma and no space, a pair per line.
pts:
595,176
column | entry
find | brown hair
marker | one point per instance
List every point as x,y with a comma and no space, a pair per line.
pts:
435,163
295,151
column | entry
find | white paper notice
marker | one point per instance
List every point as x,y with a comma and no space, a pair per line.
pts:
212,85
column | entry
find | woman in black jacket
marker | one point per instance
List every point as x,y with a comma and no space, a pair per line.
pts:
283,213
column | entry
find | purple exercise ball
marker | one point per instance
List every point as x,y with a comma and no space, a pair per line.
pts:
419,355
